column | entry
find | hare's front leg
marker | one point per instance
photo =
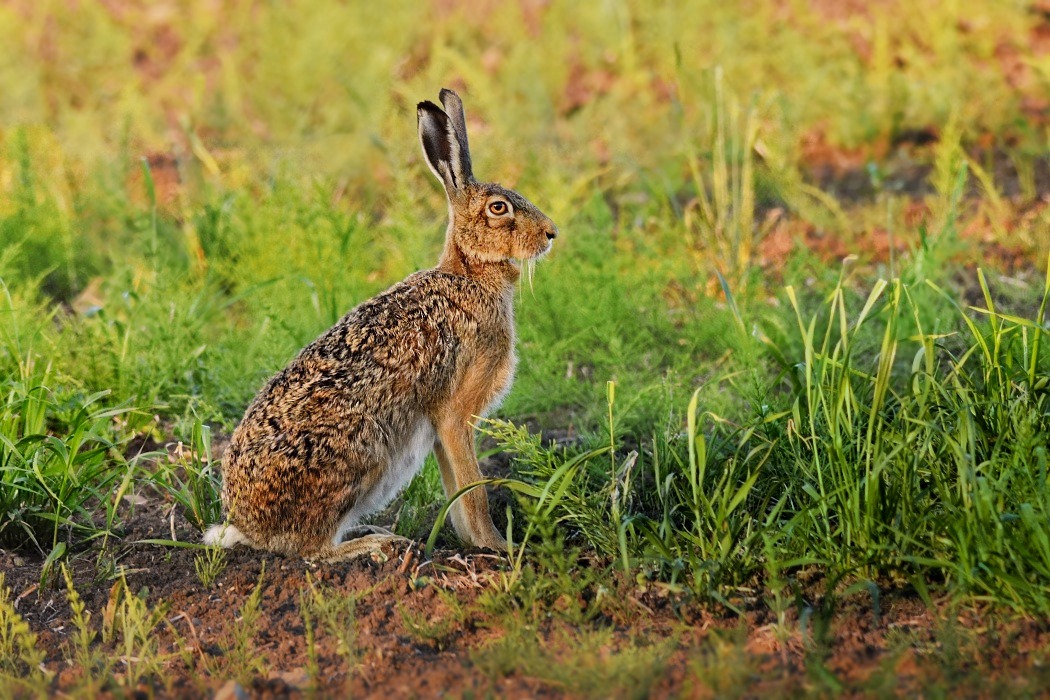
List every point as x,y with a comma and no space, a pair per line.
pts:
459,466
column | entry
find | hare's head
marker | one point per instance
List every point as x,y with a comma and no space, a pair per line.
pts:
487,223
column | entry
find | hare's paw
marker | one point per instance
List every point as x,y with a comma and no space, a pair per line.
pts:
490,540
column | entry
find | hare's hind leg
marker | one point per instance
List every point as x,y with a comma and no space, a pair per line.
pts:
366,545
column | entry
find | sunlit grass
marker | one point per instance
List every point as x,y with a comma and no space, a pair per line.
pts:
886,448
61,472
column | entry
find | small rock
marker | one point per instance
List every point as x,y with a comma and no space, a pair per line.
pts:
297,678
231,690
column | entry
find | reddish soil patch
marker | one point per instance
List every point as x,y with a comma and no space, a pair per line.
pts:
899,647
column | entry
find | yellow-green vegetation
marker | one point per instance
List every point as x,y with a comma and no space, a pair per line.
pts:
434,629
238,657
795,320
586,664
20,669
209,564
331,614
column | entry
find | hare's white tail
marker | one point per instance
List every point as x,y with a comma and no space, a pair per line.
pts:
224,535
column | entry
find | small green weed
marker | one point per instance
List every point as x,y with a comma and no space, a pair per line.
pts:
313,668
238,658
431,628
59,462
334,613
130,623
21,662
721,666
192,479
587,663
210,564
94,664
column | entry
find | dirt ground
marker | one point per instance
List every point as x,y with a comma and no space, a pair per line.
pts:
412,639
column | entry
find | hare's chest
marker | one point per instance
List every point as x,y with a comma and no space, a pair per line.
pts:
507,364
502,378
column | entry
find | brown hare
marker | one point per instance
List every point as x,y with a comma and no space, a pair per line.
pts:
345,426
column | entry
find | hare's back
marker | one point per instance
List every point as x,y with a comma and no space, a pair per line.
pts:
392,354
384,364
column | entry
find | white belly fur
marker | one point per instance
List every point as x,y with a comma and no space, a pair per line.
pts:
403,466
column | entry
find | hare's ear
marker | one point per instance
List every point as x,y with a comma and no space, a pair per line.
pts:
441,148
454,109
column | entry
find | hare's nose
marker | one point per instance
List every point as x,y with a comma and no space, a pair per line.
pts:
552,233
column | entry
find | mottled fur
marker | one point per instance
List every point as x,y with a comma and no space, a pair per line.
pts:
339,431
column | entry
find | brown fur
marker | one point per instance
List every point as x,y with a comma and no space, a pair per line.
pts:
417,362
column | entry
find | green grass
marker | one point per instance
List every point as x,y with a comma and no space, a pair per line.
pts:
884,448
62,473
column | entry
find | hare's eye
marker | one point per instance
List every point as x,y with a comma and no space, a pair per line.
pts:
498,208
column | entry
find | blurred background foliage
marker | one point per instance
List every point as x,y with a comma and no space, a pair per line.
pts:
190,178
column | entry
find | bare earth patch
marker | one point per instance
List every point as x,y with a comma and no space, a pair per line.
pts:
412,627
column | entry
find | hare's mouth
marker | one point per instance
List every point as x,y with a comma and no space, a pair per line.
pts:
542,251
518,261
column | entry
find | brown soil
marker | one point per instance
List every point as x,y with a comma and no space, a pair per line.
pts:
899,646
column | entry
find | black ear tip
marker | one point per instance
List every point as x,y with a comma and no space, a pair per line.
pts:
446,93
428,106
